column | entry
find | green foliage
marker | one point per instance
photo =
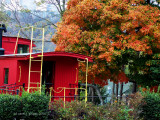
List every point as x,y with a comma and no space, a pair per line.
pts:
155,71
9,106
150,106
80,111
29,106
120,112
134,101
146,70
35,105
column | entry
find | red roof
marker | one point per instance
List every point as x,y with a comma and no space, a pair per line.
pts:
26,56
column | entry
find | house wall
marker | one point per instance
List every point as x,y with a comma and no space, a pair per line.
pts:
65,75
12,65
64,72
8,43
24,70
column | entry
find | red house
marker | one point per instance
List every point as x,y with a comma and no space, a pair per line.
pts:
60,69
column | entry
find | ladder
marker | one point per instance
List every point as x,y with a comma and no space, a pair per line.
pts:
31,58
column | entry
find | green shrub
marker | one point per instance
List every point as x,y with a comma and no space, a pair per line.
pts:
30,106
150,106
73,110
134,100
9,106
118,111
76,110
35,105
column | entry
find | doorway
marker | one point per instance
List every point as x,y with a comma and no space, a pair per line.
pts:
48,74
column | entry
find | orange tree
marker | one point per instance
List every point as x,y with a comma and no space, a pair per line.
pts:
115,33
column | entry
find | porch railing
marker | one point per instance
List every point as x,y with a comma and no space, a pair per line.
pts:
12,89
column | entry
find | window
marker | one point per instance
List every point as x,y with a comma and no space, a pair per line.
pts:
6,73
23,48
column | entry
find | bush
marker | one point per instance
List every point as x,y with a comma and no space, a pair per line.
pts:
9,106
29,106
134,100
35,105
73,110
76,110
118,111
150,106
142,105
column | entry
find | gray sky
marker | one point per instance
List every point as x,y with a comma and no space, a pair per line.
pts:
30,4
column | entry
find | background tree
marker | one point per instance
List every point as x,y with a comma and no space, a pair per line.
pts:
20,17
60,5
3,16
54,9
116,33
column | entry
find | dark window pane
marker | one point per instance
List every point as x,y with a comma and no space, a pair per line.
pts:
23,48
6,70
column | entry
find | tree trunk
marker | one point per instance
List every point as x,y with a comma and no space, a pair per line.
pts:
113,93
121,91
134,90
117,87
148,1
89,93
97,90
92,94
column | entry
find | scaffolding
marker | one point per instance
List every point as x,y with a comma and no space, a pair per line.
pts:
31,58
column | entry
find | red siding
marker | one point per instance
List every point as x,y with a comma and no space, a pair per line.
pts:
12,65
65,75
35,77
8,43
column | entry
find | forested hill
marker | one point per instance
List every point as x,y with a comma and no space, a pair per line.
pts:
20,19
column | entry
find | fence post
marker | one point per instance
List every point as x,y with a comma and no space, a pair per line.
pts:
50,94
6,90
17,91
126,99
64,97
24,86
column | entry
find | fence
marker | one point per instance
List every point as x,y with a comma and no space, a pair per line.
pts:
74,95
12,89
94,99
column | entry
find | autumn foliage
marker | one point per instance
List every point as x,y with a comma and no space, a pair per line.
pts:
108,30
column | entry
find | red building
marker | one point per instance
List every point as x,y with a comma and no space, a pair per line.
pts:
60,69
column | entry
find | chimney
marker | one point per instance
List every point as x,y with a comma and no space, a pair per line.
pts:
2,28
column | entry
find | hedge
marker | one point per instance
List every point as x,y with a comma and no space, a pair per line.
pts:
150,106
28,106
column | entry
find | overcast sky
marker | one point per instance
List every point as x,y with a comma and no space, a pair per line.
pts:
30,4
